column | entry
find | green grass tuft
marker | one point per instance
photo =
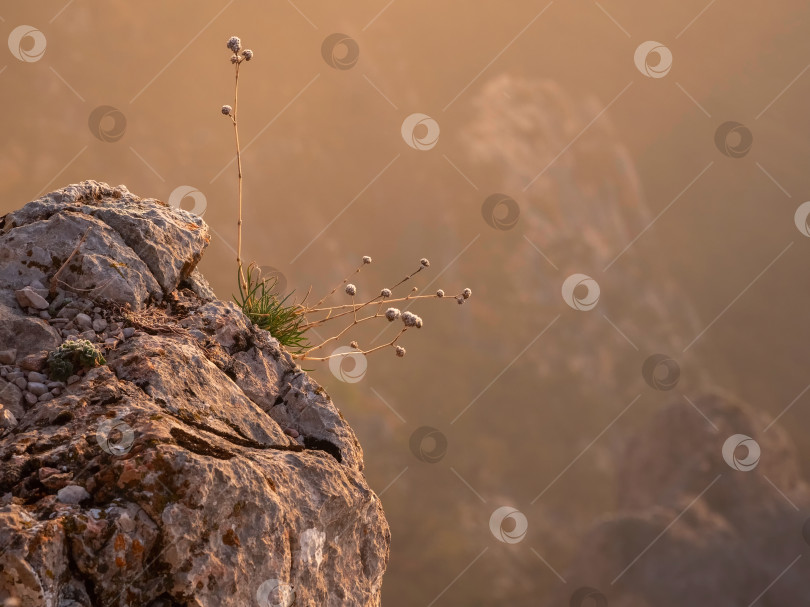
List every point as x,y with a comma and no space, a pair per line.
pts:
270,311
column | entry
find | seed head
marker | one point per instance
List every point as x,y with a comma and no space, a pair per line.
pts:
392,314
466,293
366,259
234,58
354,345
460,300
424,262
227,110
439,293
400,351
247,54
235,44
385,293
351,289
410,319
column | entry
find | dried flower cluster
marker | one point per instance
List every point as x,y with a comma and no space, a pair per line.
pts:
409,319
235,45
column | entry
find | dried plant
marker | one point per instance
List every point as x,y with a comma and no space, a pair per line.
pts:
288,321
294,320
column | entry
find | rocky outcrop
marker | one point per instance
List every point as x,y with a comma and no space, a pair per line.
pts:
199,466
693,530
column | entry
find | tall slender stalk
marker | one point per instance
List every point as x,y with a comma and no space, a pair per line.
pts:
239,175
235,45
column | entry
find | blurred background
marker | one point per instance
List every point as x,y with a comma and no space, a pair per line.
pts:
658,150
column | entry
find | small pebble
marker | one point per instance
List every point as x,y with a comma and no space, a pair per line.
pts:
129,332
89,335
55,391
72,494
7,419
73,379
28,298
15,375
300,440
292,432
37,388
45,314
83,320
34,362
111,342
99,324
21,382
30,398
58,300
44,397
7,357
68,312
38,377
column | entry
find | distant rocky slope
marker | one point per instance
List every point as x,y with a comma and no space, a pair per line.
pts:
692,530
199,466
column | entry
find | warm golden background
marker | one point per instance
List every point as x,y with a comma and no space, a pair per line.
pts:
520,90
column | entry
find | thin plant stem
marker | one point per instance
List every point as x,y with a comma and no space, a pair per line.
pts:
342,332
408,277
364,352
239,173
332,292
315,323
